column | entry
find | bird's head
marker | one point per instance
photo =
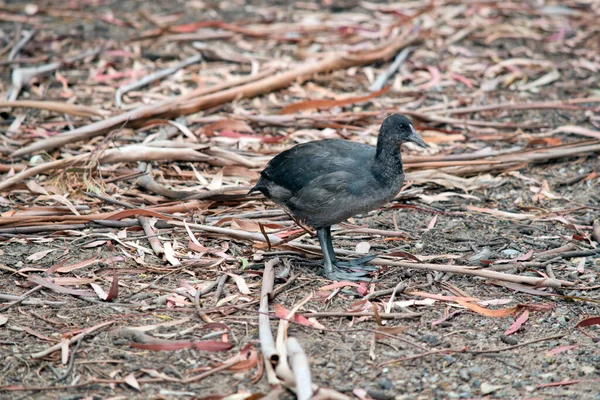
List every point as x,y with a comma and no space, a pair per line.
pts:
400,130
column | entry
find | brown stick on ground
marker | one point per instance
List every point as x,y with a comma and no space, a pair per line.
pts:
184,105
267,342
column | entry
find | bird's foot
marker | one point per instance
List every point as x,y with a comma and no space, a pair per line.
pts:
358,264
354,270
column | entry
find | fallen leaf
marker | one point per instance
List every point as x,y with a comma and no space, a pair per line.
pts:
39,255
3,319
500,214
588,322
47,283
431,223
113,292
389,330
518,323
502,312
131,381
102,295
312,104
487,388
227,124
560,349
362,289
338,285
240,283
403,254
71,267
170,254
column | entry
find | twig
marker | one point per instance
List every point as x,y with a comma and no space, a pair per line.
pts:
155,243
72,340
516,346
71,361
448,351
66,108
27,36
21,298
141,113
154,77
21,76
267,343
17,32
381,80
476,272
301,369
360,314
220,287
185,105
236,234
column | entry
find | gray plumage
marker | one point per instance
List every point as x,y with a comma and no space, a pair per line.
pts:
324,182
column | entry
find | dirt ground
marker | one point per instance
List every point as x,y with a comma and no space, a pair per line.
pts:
446,350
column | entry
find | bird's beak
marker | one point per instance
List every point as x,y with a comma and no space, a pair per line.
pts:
415,138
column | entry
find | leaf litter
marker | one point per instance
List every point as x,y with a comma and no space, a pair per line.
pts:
127,152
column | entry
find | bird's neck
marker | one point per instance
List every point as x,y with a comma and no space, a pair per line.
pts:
388,158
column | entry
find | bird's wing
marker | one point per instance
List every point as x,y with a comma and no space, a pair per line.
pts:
299,166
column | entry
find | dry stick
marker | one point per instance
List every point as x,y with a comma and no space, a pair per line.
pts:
27,36
451,268
14,41
229,363
301,368
131,153
381,80
66,108
236,234
154,77
520,106
445,351
476,272
19,230
270,84
72,340
155,243
21,298
184,105
138,114
267,343
283,369
360,314
49,166
21,76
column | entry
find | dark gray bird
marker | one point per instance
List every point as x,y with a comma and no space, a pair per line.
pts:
324,182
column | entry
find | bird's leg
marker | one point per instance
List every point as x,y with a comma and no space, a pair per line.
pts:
333,267
358,263
324,235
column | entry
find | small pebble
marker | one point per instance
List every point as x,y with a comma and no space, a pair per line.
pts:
510,340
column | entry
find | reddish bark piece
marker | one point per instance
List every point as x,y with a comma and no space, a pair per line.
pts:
312,104
205,345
